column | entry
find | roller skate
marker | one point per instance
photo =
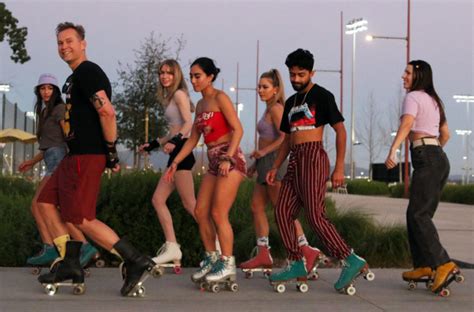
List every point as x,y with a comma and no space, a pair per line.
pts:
43,259
205,267
135,269
446,274
262,262
295,272
313,256
352,267
221,275
67,269
418,275
90,256
169,256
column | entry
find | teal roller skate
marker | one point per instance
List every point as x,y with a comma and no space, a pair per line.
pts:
295,272
43,259
89,256
352,267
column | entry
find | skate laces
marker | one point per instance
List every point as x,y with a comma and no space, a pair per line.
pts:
254,252
162,249
218,266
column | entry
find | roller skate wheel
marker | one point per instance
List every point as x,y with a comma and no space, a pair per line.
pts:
87,272
177,270
313,276
459,279
370,276
215,288
445,292
234,287
50,289
429,284
267,274
100,263
411,285
141,291
280,288
79,290
36,271
157,272
350,290
302,288
248,274
202,285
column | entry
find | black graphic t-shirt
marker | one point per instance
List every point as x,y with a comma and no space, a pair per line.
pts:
310,111
82,130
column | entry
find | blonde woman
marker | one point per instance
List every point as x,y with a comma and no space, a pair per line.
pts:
173,95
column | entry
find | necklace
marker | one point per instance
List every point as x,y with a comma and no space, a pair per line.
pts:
304,98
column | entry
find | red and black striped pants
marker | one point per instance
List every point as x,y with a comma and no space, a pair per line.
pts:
304,185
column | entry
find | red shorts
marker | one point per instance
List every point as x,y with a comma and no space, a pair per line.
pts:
213,154
74,187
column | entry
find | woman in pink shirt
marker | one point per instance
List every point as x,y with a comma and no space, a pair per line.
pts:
424,122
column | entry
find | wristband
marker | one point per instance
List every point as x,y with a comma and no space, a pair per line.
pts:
227,158
111,157
177,139
153,144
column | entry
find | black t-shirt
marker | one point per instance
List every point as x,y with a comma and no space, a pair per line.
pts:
310,111
85,133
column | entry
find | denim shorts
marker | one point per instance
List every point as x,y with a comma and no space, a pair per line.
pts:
52,157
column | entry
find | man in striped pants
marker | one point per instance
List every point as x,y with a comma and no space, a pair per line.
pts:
304,184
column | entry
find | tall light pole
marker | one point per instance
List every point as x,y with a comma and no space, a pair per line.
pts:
407,39
352,28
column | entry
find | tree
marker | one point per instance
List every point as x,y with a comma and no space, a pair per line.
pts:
16,35
138,111
372,134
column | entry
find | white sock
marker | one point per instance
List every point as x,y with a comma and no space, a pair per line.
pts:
263,241
302,241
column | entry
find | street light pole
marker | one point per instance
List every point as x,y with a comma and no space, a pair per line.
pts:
352,28
465,142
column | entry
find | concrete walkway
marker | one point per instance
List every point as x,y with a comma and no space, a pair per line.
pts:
19,291
455,222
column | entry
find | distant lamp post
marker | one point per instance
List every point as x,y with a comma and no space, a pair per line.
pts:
352,28
4,87
240,107
467,166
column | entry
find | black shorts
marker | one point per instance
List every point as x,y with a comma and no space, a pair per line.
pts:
187,163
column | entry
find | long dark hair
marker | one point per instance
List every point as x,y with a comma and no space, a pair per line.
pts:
423,80
41,116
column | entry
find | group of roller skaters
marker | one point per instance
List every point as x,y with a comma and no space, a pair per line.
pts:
78,141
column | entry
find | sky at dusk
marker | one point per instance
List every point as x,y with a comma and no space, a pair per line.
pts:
228,30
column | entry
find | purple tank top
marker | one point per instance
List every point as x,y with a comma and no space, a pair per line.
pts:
266,130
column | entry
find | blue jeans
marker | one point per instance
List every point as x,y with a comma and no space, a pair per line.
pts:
52,157
431,170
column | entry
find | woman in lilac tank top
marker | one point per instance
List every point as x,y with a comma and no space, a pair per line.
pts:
424,122
271,91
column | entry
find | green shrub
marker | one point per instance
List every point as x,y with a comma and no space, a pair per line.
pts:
16,186
462,194
366,187
397,190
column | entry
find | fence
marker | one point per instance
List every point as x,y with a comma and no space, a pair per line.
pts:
15,153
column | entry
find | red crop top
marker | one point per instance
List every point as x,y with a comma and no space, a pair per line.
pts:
212,125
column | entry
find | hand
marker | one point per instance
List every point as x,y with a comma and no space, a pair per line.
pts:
251,171
257,154
25,166
168,148
116,168
337,179
142,148
169,173
224,168
391,160
271,176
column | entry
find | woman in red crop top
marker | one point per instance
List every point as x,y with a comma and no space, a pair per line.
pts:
217,120
271,91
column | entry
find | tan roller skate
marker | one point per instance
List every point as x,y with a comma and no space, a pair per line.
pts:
446,274
418,275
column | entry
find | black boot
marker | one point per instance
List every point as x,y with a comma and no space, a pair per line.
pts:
67,269
134,266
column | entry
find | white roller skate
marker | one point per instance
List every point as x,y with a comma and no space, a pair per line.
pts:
205,267
222,274
169,256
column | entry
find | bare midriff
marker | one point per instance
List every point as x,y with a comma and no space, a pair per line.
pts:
413,136
304,136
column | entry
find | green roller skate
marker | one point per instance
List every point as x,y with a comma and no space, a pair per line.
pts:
43,259
295,272
352,267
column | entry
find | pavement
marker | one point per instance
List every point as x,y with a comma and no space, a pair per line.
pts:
19,290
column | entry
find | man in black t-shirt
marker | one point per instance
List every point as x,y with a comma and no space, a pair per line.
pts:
304,185
90,130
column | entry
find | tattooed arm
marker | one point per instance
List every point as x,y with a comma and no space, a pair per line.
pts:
106,111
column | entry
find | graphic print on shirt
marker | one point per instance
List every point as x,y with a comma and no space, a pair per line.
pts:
302,117
67,89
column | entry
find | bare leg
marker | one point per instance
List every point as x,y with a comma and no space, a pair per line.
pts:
258,204
185,186
225,191
38,216
203,212
99,232
162,192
